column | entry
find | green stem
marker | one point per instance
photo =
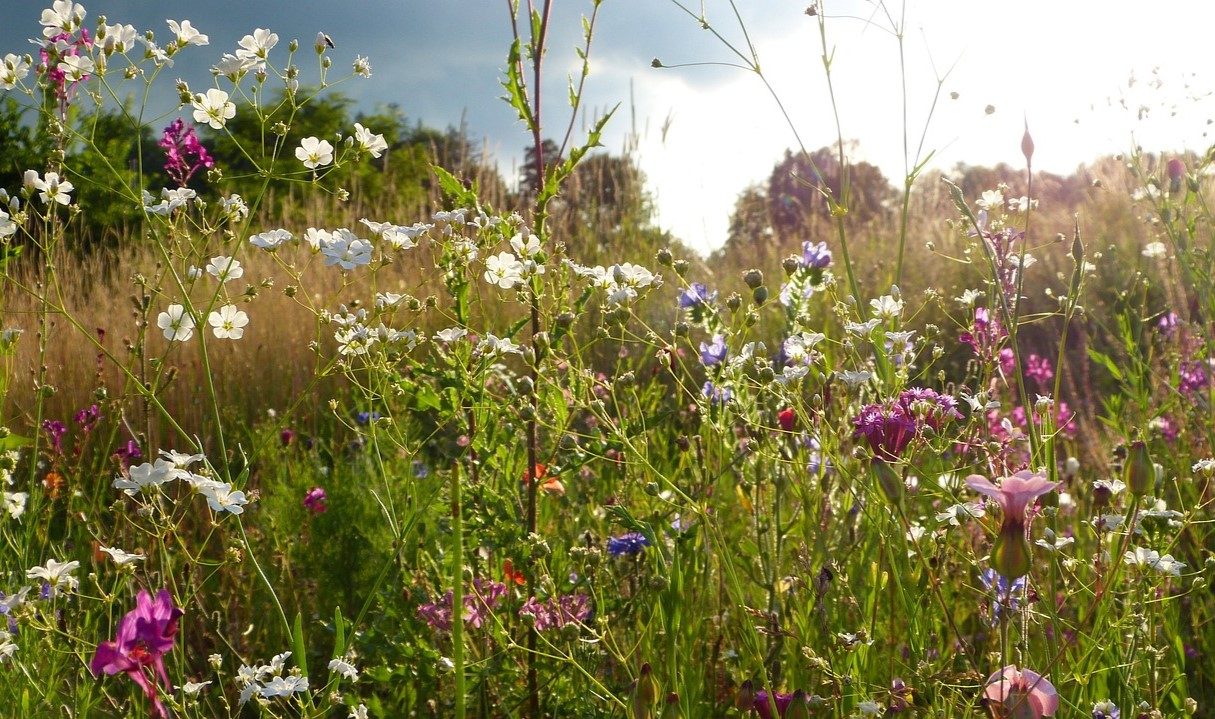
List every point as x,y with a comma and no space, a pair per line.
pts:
457,590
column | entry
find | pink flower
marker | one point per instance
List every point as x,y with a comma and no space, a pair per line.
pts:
1011,553
145,635
1014,493
1022,694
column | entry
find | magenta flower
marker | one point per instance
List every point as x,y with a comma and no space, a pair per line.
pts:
314,500
145,635
1011,552
1022,694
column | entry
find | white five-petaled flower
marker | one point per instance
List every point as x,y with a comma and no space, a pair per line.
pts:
190,688
503,270
343,667
1143,557
451,334
62,16
213,108
991,200
359,712
13,503
887,307
56,574
271,239
120,557
362,66
346,250
372,143
284,686
228,322
492,345
76,68
224,268
176,323
8,228
255,48
145,477
186,34
117,38
528,247
13,70
314,152
51,188
221,498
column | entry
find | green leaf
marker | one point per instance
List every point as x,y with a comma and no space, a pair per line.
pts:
339,630
13,441
516,96
1107,362
297,644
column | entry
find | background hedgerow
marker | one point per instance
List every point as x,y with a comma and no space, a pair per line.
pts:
308,413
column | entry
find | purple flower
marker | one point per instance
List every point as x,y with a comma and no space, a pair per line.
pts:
762,707
1168,324
1106,710
87,418
815,255
714,352
1192,376
55,430
890,427
629,544
1006,593
366,417
557,611
128,453
314,500
145,635
479,602
1039,369
696,296
184,154
717,395
287,437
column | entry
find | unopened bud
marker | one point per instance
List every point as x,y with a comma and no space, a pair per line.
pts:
753,278
1140,474
1027,144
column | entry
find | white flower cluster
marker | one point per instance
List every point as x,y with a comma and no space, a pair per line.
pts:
1149,558
147,479
268,680
623,283
170,201
508,271
355,336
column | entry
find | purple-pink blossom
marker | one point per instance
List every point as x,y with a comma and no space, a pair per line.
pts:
557,612
479,603
184,153
1022,693
145,635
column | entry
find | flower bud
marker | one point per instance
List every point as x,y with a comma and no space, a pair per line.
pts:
680,266
753,278
734,301
790,265
1140,474
645,694
1027,144
888,480
1011,554
799,708
665,258
744,700
760,295
671,710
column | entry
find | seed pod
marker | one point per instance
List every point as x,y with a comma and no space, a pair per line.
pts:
753,278
645,694
1140,475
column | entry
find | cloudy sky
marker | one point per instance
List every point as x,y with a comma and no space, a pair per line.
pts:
1081,73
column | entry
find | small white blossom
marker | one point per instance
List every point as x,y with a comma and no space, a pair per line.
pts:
451,334
186,34
120,557
1155,251
255,48
887,307
221,498
991,200
314,152
52,188
224,268
14,503
176,323
13,69
213,108
362,66
346,250
270,240
370,142
345,668
228,322
56,574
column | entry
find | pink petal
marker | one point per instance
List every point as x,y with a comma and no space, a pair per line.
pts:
983,485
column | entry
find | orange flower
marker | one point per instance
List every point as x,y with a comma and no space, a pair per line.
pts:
553,487
54,484
510,575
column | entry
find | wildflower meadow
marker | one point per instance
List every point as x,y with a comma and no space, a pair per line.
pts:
305,413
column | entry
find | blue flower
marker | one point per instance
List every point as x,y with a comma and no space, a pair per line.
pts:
1007,594
695,296
714,352
815,255
366,417
629,544
717,395
1105,710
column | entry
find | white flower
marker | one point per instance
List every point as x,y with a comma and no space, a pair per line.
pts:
887,307
234,207
156,52
63,16
968,297
957,512
492,345
230,66
144,477
1204,466
372,143
451,334
213,108
991,200
8,228
862,329
284,686
13,70
193,687
1143,557
56,574
1155,251
344,668
1052,542
853,379
317,239
255,48
118,38
52,189
314,152
8,649
869,708
503,270
799,348
359,712
228,322
362,66
345,250
186,34
194,272
221,498
525,248
120,557
384,300
76,68
224,268
270,240
14,503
